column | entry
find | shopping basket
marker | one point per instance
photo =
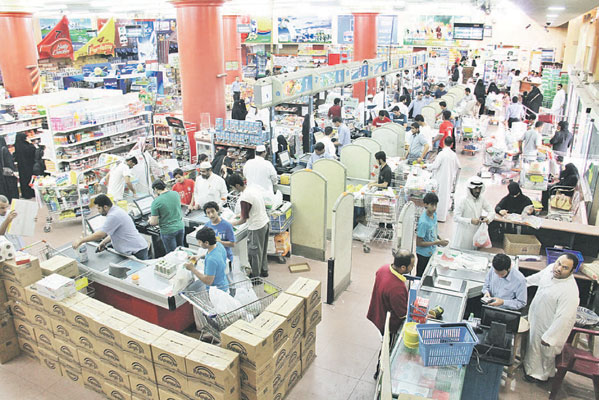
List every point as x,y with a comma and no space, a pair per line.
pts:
553,254
446,344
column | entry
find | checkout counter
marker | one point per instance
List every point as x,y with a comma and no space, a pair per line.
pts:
450,279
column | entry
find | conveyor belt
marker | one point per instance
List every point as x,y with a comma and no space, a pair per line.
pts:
96,261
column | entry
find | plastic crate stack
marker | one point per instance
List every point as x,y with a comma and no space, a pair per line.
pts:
551,77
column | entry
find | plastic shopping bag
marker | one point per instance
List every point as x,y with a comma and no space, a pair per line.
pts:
481,237
223,302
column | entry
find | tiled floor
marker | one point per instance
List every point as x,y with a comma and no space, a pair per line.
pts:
347,343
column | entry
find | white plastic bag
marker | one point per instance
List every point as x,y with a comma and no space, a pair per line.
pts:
481,237
182,279
245,296
222,301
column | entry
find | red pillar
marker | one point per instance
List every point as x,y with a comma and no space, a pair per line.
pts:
18,57
364,47
202,59
232,40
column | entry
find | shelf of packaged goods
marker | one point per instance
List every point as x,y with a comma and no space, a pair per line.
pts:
101,137
101,123
22,120
21,130
162,137
69,160
245,146
164,149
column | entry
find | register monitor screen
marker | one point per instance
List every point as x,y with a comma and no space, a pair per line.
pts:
508,317
284,157
96,223
144,204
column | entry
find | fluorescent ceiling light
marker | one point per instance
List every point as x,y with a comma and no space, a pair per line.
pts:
556,8
551,15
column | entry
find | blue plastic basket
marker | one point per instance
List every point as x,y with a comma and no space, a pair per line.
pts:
446,344
553,253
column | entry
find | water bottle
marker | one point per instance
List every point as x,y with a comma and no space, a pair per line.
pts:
83,254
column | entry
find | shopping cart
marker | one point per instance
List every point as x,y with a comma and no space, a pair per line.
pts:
208,321
500,162
63,202
382,215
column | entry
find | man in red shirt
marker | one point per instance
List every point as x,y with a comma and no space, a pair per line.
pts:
183,186
335,110
390,294
381,120
445,130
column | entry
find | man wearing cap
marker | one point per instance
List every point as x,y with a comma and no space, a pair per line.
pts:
258,171
166,213
440,92
118,177
208,187
470,212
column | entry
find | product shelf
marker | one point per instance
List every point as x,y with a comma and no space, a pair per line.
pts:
100,137
102,123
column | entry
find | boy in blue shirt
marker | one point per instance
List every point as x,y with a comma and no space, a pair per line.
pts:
215,263
427,238
223,229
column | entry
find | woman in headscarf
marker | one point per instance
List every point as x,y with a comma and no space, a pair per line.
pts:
533,101
492,88
25,157
480,94
8,179
239,110
306,142
515,202
219,158
568,179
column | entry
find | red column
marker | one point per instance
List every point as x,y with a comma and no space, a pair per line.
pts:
18,57
364,47
232,40
202,59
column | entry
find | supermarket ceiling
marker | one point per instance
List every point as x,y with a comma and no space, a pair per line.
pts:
557,12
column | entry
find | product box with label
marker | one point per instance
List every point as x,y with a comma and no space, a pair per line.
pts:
66,350
273,323
21,311
292,308
170,350
58,309
308,355
33,298
114,392
110,353
294,375
144,389
247,393
141,367
84,340
137,338
116,375
7,328
109,325
71,372
24,269
170,379
60,265
313,318
309,339
279,360
9,350
213,366
62,330
253,343
14,291
294,356
40,319
50,360
3,295
56,287
25,330
168,395
249,377
80,314
45,339
93,380
309,290
28,347
90,361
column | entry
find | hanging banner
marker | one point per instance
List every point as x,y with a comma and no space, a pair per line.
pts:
102,44
57,43
260,29
80,29
305,29
146,42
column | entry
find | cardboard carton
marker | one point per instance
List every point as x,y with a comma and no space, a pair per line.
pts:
66,350
9,350
45,339
40,319
24,269
309,338
7,328
89,361
168,395
73,374
280,394
143,389
309,290
109,325
81,314
84,340
170,350
279,360
308,355
33,298
248,393
292,308
21,311
199,390
29,348
3,296
50,360
56,287
213,366
58,309
110,353
25,330
293,376
63,330
256,380
253,343
114,392
60,265
313,318
137,338
273,323
93,381
14,291
115,375
294,357
139,366
170,379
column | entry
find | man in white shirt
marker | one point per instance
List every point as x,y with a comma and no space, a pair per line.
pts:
342,133
5,220
120,176
425,130
236,89
253,211
260,172
557,107
208,187
530,142
327,141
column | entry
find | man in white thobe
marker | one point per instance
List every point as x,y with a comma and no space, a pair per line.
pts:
552,315
258,171
557,107
468,215
444,170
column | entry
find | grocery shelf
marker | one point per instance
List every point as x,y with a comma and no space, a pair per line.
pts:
101,123
69,160
100,137
236,145
22,120
21,130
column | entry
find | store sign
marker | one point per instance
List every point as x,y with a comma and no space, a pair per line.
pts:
102,44
381,68
57,43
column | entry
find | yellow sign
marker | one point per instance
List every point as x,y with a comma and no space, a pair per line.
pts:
81,283
101,44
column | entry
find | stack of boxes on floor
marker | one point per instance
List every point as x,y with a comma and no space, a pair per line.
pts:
124,357
279,345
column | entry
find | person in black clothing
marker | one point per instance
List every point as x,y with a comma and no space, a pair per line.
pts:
239,110
306,142
8,178
480,94
440,92
533,101
568,177
384,181
562,140
25,157
228,162
515,202
492,88
217,163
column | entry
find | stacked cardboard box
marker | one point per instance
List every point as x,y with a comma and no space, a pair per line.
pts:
212,373
60,265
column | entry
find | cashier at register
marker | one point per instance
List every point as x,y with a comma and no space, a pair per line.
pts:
118,228
319,152
504,285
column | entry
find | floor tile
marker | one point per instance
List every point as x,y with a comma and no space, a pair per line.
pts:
322,384
363,390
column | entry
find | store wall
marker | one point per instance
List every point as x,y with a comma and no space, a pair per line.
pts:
574,27
582,43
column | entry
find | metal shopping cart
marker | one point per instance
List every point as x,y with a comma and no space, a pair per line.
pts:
208,321
382,215
63,202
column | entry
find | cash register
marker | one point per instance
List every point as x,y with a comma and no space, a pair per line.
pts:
140,212
285,164
496,333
